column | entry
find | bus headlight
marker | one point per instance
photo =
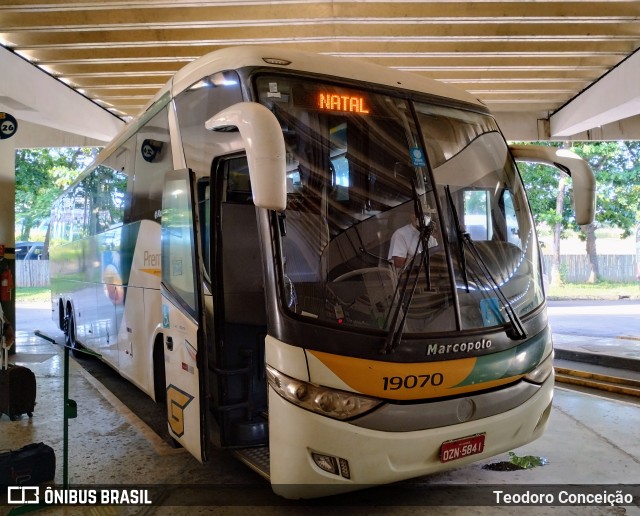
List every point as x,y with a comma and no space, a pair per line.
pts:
542,372
321,400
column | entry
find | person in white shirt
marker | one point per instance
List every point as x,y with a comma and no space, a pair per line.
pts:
404,242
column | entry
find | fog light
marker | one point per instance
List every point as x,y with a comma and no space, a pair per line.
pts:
334,465
326,463
344,468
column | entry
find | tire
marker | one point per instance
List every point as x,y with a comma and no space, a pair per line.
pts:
70,335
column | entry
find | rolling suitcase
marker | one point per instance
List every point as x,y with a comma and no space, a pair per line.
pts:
30,465
17,389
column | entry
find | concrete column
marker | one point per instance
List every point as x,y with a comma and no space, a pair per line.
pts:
7,222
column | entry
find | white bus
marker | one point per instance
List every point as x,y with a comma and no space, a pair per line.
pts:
229,253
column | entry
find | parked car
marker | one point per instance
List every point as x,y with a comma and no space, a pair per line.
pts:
29,250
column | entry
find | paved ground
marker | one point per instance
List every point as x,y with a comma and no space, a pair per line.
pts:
591,441
610,319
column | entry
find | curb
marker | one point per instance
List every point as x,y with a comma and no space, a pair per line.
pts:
613,361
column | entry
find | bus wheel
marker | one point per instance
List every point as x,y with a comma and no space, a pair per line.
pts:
70,335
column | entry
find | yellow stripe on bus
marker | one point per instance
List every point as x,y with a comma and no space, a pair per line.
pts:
406,381
155,272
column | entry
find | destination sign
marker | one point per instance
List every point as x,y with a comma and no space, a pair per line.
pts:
332,100
341,102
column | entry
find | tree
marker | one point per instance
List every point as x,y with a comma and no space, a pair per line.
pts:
548,190
556,277
616,166
617,169
41,175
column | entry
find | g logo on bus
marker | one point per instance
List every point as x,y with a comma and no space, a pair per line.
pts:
177,401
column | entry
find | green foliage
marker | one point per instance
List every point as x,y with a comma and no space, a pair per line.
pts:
527,461
41,175
617,169
33,295
616,166
542,183
598,290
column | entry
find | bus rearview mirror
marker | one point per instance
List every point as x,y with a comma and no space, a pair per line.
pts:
264,145
584,181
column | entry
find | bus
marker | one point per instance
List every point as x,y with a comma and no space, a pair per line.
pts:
229,253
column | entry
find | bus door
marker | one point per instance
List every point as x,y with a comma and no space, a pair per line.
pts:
184,348
238,376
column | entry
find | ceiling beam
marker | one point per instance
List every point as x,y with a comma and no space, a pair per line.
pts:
515,55
613,97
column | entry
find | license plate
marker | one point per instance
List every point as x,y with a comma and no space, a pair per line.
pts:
460,448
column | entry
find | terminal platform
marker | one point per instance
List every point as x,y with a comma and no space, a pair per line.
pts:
591,440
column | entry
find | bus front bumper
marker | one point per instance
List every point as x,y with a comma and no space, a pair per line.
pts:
368,457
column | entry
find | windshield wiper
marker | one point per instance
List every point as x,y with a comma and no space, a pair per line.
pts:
516,323
464,238
396,329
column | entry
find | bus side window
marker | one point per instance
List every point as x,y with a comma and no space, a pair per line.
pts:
236,180
153,159
511,220
194,106
477,214
110,199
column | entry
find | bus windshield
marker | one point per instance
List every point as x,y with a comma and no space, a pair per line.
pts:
369,238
